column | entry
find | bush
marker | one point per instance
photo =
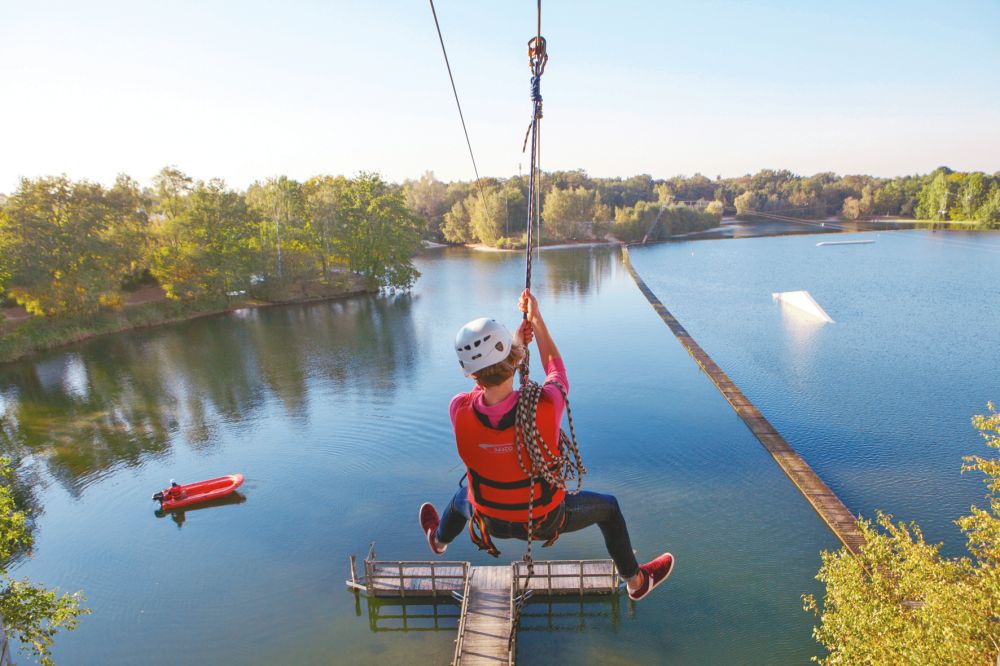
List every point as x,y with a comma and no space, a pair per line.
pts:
901,602
31,613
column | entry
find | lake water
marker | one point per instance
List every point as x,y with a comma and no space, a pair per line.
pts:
337,415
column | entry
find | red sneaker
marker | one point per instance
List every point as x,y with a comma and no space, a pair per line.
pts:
429,523
655,572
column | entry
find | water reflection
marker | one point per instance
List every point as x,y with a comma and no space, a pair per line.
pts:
420,615
572,273
122,399
541,614
179,516
801,330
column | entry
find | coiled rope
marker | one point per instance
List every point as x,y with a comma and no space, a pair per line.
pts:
558,470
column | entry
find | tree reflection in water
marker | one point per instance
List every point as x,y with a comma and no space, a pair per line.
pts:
567,272
117,400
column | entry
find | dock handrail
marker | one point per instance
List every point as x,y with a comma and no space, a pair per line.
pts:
463,615
397,572
520,572
512,639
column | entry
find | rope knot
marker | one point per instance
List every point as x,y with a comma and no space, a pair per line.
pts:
536,89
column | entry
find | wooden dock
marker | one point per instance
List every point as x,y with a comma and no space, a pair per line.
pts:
489,595
486,624
829,507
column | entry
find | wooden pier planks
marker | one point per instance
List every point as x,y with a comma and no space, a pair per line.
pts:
829,507
486,623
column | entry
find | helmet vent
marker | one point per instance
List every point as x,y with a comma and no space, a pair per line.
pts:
499,347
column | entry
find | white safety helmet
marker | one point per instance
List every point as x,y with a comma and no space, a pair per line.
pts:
482,343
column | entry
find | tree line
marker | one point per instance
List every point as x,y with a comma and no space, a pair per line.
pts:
574,207
74,247
577,206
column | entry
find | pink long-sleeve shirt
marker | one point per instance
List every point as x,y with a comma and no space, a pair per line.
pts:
555,371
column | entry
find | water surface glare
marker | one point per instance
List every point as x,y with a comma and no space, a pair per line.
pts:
337,415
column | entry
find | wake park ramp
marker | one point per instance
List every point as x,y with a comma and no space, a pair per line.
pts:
803,303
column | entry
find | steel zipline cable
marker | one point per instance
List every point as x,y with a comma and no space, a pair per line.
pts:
468,142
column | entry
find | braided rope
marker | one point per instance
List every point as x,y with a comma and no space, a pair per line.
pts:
558,470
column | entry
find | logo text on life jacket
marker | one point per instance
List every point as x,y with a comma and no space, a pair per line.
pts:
497,448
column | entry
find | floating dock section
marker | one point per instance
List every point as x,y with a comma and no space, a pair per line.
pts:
489,595
829,507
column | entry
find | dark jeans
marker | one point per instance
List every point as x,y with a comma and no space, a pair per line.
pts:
582,510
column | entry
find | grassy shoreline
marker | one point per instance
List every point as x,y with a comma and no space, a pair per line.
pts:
23,339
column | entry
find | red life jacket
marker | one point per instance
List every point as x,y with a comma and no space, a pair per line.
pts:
500,489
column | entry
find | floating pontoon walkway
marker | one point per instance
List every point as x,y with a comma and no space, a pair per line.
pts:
827,504
488,594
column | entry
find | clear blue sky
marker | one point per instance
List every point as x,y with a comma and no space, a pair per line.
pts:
244,90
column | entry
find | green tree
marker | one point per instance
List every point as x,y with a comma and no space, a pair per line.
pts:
988,214
428,198
6,258
30,612
457,227
128,225
487,216
170,186
567,213
851,209
972,195
383,235
901,602
281,201
325,203
61,252
747,203
935,197
208,249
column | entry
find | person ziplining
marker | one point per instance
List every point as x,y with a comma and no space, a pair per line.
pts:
501,500
518,459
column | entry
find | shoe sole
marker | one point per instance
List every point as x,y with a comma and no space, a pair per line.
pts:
654,585
420,514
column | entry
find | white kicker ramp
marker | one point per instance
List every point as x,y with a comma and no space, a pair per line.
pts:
803,302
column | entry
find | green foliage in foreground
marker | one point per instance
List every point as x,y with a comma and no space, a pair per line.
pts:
31,613
901,602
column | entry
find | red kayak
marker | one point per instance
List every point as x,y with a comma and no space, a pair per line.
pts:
177,496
